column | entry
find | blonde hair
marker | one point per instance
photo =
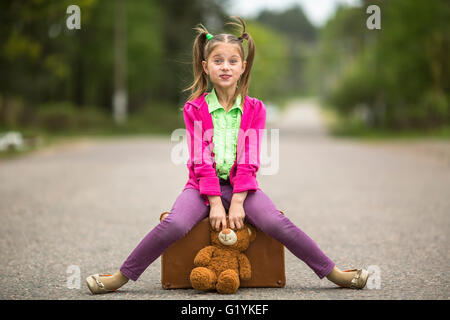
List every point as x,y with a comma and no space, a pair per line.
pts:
203,47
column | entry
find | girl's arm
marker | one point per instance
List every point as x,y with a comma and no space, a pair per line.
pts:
245,179
200,154
217,214
236,213
239,197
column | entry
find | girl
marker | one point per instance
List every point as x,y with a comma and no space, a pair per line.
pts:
222,167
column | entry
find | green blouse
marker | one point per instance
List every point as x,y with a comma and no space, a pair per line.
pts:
226,130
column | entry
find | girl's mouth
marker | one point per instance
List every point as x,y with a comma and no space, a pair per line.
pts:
225,77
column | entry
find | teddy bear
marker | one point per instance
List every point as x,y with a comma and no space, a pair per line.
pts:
223,264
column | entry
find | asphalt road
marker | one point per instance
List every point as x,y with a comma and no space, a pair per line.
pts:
82,207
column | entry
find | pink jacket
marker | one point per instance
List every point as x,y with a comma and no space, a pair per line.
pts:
199,134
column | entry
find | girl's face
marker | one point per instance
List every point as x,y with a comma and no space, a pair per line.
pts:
224,65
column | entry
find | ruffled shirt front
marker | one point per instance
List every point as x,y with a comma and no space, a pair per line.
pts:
226,130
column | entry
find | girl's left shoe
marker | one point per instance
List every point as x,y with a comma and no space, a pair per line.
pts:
95,285
359,281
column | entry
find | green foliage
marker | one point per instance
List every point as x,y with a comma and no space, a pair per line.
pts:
292,22
298,36
57,117
399,73
159,117
66,117
271,63
145,49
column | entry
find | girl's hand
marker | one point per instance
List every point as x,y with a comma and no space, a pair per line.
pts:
217,216
236,215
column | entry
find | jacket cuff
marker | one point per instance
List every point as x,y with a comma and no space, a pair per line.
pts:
244,183
209,186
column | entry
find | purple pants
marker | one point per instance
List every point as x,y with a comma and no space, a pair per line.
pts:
189,209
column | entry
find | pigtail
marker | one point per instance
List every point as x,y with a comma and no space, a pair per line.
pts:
200,84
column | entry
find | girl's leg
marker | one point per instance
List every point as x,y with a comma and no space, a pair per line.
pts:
262,213
188,210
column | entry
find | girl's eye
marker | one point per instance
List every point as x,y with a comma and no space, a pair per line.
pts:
219,61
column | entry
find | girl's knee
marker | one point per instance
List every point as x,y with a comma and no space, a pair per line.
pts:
175,227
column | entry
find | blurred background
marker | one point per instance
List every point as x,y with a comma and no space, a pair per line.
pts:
124,70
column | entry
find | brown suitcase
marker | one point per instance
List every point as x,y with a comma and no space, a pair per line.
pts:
266,256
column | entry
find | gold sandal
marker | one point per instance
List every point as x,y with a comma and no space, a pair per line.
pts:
359,281
95,285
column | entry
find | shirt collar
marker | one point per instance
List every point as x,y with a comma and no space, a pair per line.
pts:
213,102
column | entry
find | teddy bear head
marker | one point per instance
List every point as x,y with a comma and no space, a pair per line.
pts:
238,239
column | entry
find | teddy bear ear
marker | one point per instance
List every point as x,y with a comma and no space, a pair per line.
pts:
251,232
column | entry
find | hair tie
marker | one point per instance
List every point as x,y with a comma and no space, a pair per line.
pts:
209,36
